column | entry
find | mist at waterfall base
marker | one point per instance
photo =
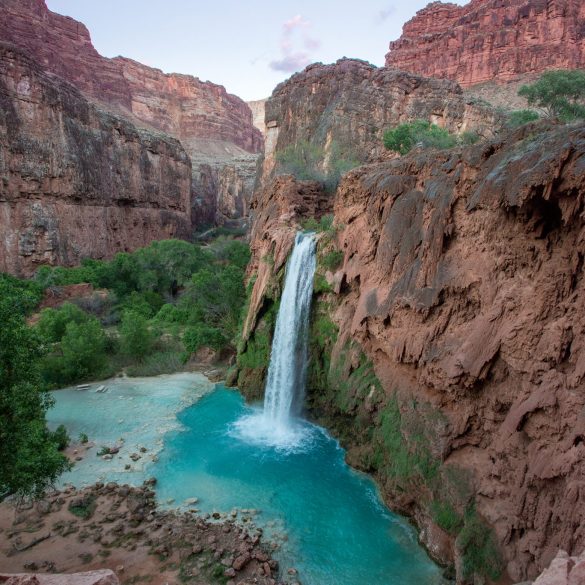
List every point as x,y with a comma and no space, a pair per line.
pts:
277,424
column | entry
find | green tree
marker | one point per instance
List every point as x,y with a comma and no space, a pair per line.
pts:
560,94
30,460
203,336
53,322
519,118
136,339
83,349
405,137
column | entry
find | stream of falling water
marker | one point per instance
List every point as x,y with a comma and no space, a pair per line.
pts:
276,424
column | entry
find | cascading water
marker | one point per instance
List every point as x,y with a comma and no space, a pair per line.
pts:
288,359
287,370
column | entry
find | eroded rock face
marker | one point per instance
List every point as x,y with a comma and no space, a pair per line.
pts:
78,181
490,39
351,103
462,281
214,127
180,105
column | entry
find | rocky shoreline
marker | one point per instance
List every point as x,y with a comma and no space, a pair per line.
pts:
119,527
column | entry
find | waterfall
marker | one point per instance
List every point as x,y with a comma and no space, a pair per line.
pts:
287,371
276,425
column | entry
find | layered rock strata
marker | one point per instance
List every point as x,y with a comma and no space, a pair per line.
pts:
348,105
214,127
487,40
460,280
78,181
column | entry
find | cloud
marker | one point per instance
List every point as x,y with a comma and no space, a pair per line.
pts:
295,22
311,44
385,14
295,47
291,63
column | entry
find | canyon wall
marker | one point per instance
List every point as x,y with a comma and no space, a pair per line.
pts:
214,127
351,103
180,105
77,181
488,40
447,339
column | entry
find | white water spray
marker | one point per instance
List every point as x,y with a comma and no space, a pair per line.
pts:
288,360
287,371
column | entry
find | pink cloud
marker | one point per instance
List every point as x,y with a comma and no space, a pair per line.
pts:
291,63
292,53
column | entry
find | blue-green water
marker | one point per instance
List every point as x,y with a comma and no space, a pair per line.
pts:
338,530
328,519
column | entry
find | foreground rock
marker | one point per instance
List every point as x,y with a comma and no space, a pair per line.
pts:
119,528
103,577
447,348
488,40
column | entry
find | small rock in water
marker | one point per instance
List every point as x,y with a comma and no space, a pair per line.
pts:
191,501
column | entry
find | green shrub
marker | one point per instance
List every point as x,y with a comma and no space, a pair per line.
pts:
200,336
52,323
519,118
171,314
405,137
83,438
480,553
30,459
469,138
560,94
162,362
332,260
445,516
136,339
61,438
320,284
83,507
82,354
307,161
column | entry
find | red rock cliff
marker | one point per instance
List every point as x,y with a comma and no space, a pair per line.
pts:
489,40
180,105
351,103
77,181
461,280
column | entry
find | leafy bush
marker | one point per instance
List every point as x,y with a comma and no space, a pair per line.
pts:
61,438
83,438
53,323
215,297
30,459
479,550
171,314
83,507
469,137
445,516
405,137
560,94
202,335
161,362
136,339
82,354
307,161
332,260
519,118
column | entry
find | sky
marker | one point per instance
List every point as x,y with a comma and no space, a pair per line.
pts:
249,46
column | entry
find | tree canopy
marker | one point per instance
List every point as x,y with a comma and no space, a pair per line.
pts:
560,94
